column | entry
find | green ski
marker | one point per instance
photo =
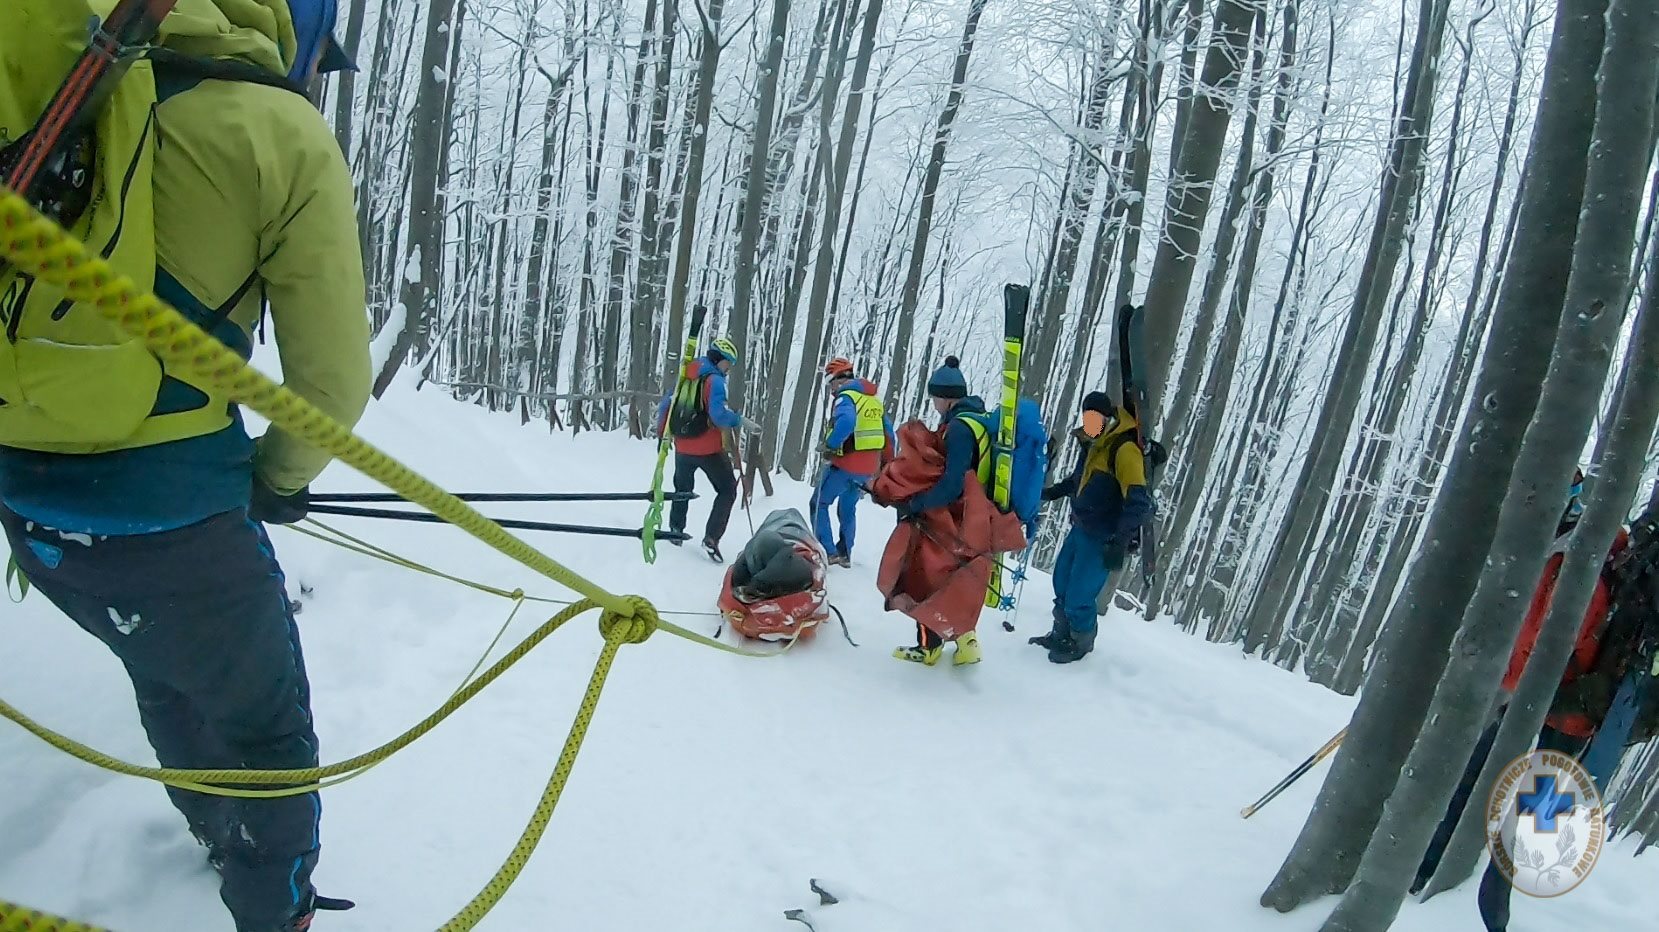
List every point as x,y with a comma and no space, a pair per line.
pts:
1016,300
653,514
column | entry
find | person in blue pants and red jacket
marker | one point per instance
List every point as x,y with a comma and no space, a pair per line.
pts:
857,443
1109,503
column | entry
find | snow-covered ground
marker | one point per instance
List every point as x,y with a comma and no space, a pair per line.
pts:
1012,795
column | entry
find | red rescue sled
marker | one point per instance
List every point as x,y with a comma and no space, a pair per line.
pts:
775,591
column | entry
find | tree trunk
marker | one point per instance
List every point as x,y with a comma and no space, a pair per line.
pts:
1618,473
1412,651
1188,202
756,193
911,293
345,98
422,264
795,447
647,289
1596,292
1337,410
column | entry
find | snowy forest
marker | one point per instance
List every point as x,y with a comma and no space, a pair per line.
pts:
1398,261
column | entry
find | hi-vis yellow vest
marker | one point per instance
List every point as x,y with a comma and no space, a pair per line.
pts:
71,382
869,426
982,446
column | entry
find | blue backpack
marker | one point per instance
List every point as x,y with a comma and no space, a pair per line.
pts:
1030,472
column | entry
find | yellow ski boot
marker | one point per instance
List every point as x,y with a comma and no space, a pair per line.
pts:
967,649
925,656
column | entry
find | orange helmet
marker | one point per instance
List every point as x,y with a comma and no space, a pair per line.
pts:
838,367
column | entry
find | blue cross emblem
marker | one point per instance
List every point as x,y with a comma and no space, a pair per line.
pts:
1545,803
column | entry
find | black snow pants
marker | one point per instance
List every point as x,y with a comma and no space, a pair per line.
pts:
200,619
718,467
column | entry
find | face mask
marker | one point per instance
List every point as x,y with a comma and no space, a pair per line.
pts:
1094,423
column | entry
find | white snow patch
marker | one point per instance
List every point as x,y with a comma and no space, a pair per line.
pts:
1011,795
380,348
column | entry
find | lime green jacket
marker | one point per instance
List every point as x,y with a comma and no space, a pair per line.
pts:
249,188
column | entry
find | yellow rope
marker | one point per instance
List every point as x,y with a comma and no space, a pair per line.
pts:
39,247
15,918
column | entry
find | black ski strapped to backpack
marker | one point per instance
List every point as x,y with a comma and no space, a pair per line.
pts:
1631,638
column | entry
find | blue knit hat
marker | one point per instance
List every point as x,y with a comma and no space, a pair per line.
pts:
947,381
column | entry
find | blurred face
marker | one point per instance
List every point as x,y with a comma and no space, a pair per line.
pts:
724,365
1094,423
943,405
840,382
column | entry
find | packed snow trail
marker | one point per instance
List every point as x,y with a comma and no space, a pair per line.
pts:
712,788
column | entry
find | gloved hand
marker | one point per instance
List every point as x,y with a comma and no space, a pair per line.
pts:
828,453
267,507
1057,490
1116,552
750,427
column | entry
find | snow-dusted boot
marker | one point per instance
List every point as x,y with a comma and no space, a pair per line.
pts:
1074,648
967,650
1056,636
927,656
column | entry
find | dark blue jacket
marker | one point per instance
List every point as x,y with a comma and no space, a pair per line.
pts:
1108,487
961,458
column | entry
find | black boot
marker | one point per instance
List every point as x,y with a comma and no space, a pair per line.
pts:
1074,649
1056,636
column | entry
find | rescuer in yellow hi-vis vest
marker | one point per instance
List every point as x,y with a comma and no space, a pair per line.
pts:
858,441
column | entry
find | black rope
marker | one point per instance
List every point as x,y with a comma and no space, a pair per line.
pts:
425,518
392,497
844,632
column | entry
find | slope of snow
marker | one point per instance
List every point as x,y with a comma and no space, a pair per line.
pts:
1012,795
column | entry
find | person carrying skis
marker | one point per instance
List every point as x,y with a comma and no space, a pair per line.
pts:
1109,503
938,562
1580,705
857,443
155,543
698,417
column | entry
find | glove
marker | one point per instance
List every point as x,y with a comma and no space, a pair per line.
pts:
828,453
1116,552
1053,492
267,507
749,427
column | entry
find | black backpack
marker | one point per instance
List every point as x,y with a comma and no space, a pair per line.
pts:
689,415
1631,639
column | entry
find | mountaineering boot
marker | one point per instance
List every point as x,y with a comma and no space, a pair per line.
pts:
967,649
675,540
927,656
1056,636
841,560
1074,648
712,548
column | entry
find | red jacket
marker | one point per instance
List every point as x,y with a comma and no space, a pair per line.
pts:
936,568
1585,650
720,418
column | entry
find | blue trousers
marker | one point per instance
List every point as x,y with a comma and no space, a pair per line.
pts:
841,489
1080,573
199,618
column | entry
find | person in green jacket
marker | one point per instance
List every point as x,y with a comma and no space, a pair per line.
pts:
153,541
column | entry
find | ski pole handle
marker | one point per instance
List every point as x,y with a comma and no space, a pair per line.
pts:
1295,775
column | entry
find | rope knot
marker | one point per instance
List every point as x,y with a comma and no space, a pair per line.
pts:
633,628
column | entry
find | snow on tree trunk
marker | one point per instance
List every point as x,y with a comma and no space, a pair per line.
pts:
1596,295
1618,472
1412,651
423,258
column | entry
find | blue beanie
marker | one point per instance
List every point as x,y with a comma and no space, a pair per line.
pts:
314,32
947,381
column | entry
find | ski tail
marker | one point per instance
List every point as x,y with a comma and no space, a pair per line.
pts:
653,514
1016,303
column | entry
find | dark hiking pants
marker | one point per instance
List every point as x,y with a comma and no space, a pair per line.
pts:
201,621
1495,889
718,468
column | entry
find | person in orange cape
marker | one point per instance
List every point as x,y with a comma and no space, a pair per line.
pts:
938,562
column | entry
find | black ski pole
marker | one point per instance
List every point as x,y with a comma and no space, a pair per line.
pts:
1296,774
345,498
425,518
